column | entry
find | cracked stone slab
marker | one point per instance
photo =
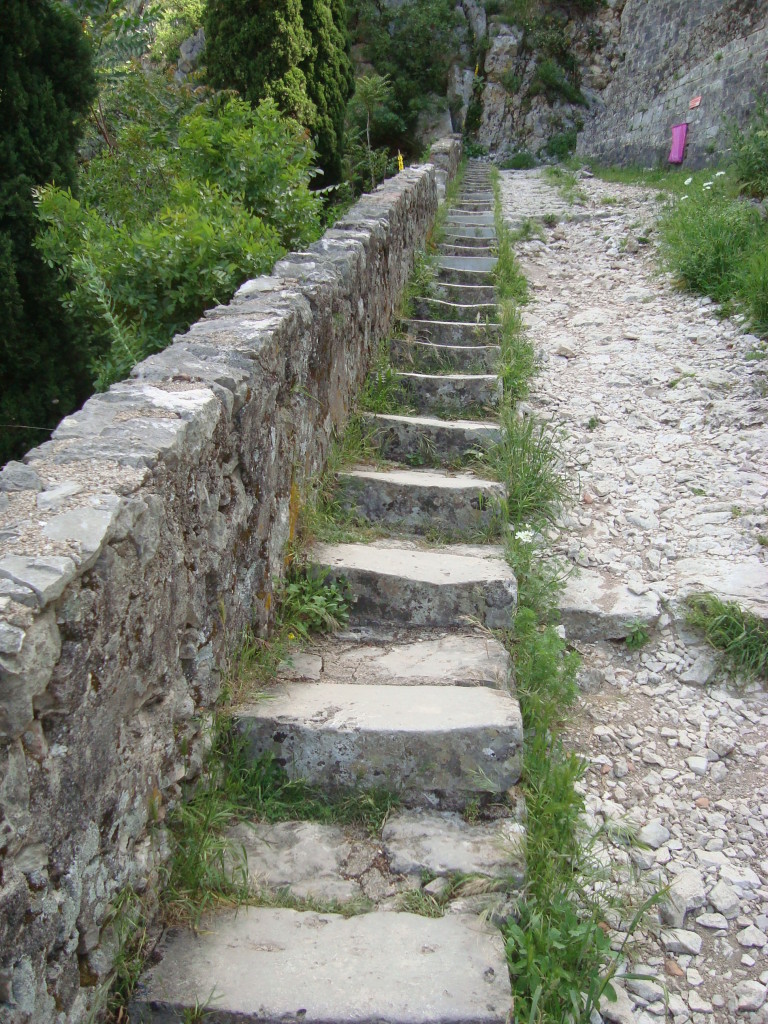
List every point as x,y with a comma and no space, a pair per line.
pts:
429,391
401,583
430,357
463,659
470,220
431,744
46,576
271,966
464,294
309,858
596,607
443,843
454,312
402,438
475,264
454,332
418,500
744,582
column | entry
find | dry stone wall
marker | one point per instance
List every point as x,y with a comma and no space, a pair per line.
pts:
673,51
136,545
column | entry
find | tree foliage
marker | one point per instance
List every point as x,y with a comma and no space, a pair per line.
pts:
261,49
46,85
330,80
193,198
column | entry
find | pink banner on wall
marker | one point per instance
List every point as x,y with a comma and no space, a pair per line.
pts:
679,135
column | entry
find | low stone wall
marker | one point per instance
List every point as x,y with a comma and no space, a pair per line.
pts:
673,51
136,545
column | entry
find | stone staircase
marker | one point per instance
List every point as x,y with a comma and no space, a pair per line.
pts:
416,696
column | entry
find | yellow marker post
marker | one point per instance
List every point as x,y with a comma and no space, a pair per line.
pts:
400,164
477,70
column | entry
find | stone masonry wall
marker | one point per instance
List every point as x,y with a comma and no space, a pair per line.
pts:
136,545
673,51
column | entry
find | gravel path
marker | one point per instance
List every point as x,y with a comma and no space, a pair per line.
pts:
667,442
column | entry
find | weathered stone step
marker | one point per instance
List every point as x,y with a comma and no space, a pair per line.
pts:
432,745
400,583
470,241
439,843
464,220
449,249
420,501
267,966
595,607
453,332
464,294
403,657
429,357
448,394
472,263
470,206
425,440
453,274
455,312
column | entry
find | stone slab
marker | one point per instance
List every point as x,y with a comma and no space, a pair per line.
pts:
391,582
451,393
419,440
309,858
596,607
470,220
454,230
452,332
417,501
744,582
456,249
454,312
443,843
466,293
429,357
430,744
472,263
458,659
266,966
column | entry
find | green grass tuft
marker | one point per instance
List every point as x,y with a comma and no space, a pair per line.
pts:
740,635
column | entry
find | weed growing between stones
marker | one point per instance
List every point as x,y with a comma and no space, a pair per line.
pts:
567,184
637,636
738,634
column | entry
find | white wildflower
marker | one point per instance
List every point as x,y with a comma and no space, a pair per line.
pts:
707,184
683,197
525,536
688,181
719,174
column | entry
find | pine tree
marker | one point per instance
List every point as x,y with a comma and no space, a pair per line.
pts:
259,47
46,85
330,79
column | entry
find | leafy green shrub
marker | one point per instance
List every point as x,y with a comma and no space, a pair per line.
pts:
752,284
177,20
749,149
511,82
562,144
705,236
173,219
550,79
522,161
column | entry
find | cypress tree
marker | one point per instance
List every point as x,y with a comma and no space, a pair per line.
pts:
46,85
259,47
330,79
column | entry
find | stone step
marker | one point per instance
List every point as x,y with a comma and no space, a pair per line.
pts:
261,965
464,220
402,657
430,358
397,582
420,501
450,249
594,606
458,275
431,745
418,842
468,206
464,294
454,312
471,263
449,395
425,440
453,332
470,241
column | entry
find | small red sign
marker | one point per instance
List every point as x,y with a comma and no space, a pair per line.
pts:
695,102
